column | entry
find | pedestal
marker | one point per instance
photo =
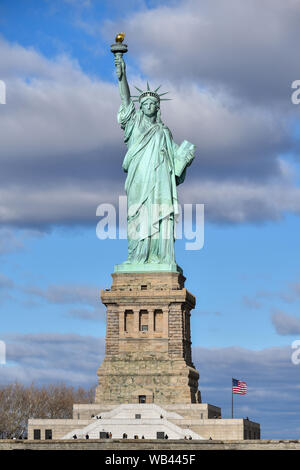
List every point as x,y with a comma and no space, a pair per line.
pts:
148,342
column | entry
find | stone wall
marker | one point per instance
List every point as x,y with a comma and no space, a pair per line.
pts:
229,429
194,410
123,378
136,445
204,419
143,354
85,411
59,427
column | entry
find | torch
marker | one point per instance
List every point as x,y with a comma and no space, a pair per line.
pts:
118,49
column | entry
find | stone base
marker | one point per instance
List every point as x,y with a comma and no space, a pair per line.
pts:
124,378
178,421
120,446
148,343
147,268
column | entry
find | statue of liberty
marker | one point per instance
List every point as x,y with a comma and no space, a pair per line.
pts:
155,165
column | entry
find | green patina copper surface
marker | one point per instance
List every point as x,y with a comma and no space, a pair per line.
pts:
155,165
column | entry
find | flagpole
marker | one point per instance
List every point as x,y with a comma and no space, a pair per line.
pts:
231,399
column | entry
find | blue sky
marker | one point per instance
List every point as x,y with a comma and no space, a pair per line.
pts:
61,153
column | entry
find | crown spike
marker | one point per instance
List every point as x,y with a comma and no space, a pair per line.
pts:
149,93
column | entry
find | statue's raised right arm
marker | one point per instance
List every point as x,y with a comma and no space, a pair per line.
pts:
123,84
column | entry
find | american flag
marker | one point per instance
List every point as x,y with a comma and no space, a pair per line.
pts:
238,387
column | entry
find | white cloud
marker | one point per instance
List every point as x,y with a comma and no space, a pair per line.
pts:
285,324
87,313
289,294
84,299
67,294
9,242
61,148
250,303
52,358
53,108
56,203
240,202
5,282
243,47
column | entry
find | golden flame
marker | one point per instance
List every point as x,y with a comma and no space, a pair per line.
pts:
120,37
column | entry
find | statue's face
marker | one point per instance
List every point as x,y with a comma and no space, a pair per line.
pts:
149,107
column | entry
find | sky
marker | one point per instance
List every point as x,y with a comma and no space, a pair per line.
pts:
229,67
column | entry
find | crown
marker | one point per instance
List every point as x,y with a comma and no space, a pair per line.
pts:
148,92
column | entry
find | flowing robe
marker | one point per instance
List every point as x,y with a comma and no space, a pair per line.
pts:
154,164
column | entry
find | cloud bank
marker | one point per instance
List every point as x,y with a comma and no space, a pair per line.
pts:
61,147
